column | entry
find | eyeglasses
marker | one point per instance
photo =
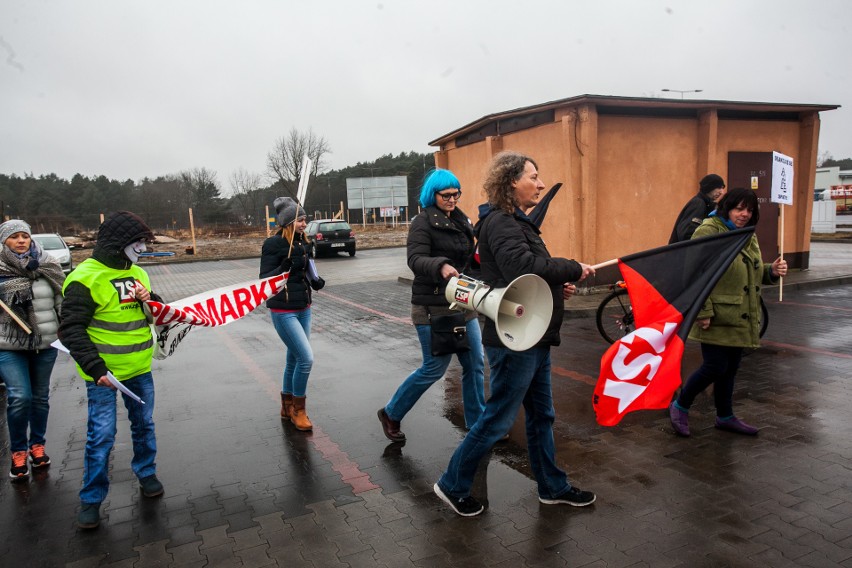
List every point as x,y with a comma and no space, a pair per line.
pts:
447,196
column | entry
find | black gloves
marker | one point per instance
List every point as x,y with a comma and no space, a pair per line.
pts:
318,284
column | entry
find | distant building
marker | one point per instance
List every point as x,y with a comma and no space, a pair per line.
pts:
629,164
833,183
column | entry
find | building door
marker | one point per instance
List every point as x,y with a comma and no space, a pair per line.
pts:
754,170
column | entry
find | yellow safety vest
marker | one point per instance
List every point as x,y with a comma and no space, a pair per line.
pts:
118,328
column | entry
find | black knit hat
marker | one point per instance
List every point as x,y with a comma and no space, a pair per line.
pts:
710,182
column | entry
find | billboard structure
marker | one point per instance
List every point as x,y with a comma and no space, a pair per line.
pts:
385,197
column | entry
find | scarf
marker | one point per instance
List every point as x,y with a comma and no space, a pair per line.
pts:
728,223
17,274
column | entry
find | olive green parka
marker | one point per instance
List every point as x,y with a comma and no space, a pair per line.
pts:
734,303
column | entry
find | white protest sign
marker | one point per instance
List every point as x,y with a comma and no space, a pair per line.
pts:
307,163
216,307
782,179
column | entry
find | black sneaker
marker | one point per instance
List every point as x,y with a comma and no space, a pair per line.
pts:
19,470
151,486
575,497
38,457
89,516
466,506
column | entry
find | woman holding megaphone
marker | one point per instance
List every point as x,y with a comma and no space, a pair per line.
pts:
510,246
440,245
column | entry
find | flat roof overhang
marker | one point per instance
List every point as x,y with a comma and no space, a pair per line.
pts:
527,117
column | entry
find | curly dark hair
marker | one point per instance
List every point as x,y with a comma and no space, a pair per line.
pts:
505,168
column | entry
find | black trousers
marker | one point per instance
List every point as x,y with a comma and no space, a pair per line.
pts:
719,368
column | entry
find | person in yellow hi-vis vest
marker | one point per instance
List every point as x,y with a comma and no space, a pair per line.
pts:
106,330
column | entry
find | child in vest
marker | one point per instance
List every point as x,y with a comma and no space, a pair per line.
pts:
106,330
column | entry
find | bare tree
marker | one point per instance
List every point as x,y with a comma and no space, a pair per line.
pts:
244,186
200,190
284,161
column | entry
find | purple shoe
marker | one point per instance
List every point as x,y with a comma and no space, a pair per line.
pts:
736,425
680,420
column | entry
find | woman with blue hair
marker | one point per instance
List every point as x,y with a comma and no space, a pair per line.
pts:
440,246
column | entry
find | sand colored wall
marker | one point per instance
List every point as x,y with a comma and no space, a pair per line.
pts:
646,172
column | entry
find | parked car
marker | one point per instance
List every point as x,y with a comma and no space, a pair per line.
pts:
330,236
56,247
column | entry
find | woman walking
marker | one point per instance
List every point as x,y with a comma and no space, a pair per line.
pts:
440,244
285,251
31,291
730,318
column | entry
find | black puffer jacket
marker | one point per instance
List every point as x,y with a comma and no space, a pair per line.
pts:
434,240
274,260
78,308
511,246
691,216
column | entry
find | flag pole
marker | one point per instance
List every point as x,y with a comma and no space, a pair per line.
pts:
15,317
604,264
781,281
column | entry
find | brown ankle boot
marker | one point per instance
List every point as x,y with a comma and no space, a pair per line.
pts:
298,417
286,405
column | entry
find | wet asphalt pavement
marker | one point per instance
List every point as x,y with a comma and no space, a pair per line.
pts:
245,489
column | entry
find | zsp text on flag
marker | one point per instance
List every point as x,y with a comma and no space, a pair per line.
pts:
667,287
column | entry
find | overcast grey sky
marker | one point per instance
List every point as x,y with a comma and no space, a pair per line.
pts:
131,89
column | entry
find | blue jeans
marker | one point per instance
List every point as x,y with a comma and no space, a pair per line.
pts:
294,329
718,368
516,377
100,435
27,376
434,367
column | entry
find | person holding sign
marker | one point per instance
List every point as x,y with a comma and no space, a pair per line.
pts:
730,319
31,293
106,331
287,251
440,246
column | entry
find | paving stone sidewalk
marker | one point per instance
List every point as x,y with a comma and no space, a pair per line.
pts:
245,489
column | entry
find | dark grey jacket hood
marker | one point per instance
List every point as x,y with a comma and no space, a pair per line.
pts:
115,233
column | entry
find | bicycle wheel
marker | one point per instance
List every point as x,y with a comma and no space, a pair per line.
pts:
615,316
764,318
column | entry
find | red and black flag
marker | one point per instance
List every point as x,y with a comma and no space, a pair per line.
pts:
667,287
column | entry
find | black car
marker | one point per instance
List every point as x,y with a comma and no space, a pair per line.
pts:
330,235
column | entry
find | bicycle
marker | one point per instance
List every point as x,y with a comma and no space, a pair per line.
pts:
614,316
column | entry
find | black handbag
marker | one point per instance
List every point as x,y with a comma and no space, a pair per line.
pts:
449,334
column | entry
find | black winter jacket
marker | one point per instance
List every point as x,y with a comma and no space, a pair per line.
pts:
274,260
78,307
693,214
511,246
434,240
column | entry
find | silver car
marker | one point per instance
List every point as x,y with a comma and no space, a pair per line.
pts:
57,248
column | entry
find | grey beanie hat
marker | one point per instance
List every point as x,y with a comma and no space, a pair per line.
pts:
287,210
13,226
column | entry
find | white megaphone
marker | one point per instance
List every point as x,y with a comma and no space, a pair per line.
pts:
521,311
